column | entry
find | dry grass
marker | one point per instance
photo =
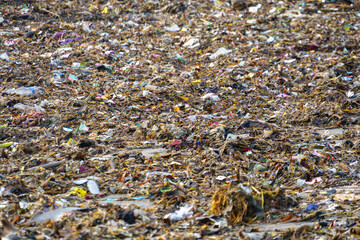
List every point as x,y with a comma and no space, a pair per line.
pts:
231,202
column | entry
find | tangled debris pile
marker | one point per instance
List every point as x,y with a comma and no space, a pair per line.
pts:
179,119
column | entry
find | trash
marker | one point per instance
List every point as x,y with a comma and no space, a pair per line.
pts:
83,127
73,77
80,192
233,203
86,27
174,28
211,96
5,145
27,91
300,182
151,152
312,207
53,215
282,95
183,213
4,56
201,114
255,9
219,52
93,187
192,43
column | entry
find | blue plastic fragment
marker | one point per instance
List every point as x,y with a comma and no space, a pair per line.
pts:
347,78
311,207
111,199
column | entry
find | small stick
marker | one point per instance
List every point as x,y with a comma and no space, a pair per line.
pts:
43,9
47,165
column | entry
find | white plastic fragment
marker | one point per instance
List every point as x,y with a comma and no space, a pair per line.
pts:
23,204
145,93
174,28
220,178
180,214
192,43
197,235
300,182
27,91
289,61
255,9
231,137
4,56
53,215
80,181
131,24
270,39
61,51
251,21
4,204
192,118
93,187
272,10
219,52
85,27
211,96
247,190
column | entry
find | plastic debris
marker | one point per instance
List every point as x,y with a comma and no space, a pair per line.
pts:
93,187
4,56
219,52
179,119
53,215
174,28
25,90
183,213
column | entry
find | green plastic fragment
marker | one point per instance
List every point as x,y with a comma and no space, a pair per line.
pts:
7,144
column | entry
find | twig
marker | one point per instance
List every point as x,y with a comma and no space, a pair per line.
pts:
43,9
179,188
47,165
